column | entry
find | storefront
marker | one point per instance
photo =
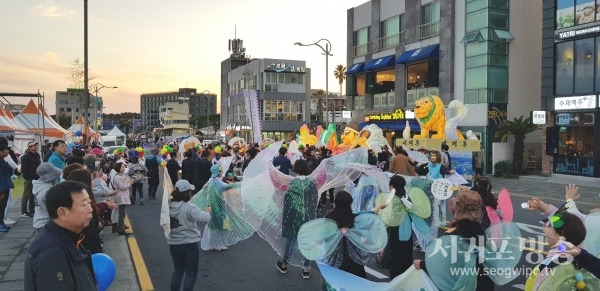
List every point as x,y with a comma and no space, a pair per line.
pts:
393,124
380,81
573,143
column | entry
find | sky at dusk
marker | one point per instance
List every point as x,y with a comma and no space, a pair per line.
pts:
156,46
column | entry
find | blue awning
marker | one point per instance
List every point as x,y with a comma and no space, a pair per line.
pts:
387,61
356,68
428,52
395,125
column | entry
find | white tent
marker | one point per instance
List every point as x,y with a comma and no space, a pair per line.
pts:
116,132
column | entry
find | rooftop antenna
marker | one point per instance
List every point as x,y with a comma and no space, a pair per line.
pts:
236,46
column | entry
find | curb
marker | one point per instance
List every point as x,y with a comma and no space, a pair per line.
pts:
138,261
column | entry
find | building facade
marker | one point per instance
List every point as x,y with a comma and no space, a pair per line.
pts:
283,91
476,51
71,103
198,104
570,87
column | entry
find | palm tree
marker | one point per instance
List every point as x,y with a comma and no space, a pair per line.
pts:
518,128
319,96
340,74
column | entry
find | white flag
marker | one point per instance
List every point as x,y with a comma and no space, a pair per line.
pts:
165,219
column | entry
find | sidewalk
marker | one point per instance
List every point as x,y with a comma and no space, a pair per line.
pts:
14,245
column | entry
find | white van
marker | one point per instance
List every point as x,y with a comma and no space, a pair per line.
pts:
107,142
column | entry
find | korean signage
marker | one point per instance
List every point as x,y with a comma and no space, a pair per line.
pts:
346,114
436,144
283,67
399,114
538,117
575,102
577,32
497,113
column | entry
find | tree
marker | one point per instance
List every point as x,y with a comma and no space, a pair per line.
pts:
214,121
518,128
340,75
77,74
62,120
318,97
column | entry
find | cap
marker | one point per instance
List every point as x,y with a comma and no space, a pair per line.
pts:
184,185
97,151
48,172
32,143
215,170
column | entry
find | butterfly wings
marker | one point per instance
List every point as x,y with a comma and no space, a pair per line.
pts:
592,238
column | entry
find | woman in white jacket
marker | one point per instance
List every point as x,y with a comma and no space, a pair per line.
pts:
122,197
184,237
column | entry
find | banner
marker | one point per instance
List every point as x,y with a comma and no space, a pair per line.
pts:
436,144
255,116
462,163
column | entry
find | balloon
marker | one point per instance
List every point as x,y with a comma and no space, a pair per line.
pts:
164,157
115,152
121,149
105,270
197,147
78,133
163,164
134,154
218,149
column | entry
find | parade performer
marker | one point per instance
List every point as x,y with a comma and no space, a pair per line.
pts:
277,205
227,224
472,251
344,239
403,209
496,209
349,138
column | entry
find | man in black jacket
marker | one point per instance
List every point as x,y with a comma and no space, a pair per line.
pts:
56,260
153,174
203,170
29,163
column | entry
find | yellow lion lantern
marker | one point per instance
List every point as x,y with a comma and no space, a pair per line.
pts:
429,111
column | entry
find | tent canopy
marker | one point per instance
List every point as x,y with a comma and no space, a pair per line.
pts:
79,125
116,132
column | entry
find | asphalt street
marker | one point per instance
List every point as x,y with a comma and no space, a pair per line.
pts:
250,264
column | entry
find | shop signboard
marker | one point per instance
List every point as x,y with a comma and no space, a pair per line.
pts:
285,68
497,113
436,144
578,32
538,117
575,102
397,115
346,114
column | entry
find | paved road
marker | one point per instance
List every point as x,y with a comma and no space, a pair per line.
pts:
251,263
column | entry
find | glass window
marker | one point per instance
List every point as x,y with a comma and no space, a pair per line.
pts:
477,20
361,36
293,78
391,26
584,65
267,77
472,37
281,78
503,34
402,22
300,79
430,12
598,63
287,78
565,13
498,19
476,78
417,76
499,76
585,11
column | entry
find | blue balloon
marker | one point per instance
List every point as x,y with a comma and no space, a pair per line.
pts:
105,270
134,154
78,133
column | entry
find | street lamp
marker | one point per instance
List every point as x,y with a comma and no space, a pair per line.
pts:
327,53
97,88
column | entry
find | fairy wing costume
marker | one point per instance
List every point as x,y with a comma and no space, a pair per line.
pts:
369,185
453,252
321,240
277,205
227,224
504,211
426,236
398,214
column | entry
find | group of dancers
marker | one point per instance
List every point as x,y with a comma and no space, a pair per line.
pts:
377,220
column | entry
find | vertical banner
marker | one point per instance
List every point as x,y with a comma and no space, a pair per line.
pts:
248,108
256,129
462,163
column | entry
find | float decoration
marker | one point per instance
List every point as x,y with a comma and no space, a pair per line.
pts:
429,111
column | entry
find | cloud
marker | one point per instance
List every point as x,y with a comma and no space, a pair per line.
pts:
50,10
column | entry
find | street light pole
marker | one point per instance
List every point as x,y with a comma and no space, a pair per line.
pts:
327,53
85,61
96,89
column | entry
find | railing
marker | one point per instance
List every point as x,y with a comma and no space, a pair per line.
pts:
360,50
384,100
391,41
415,94
429,30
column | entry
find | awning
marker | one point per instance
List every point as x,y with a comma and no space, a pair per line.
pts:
428,52
395,125
356,68
387,61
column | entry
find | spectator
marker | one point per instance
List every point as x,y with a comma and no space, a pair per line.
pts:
283,162
122,197
46,152
153,176
56,260
12,162
47,173
6,184
238,161
446,157
187,166
401,165
137,172
203,166
173,168
58,157
29,163
74,160
92,241
250,155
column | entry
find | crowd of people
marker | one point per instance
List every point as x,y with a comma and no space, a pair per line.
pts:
74,193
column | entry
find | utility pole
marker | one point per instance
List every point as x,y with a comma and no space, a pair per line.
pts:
86,92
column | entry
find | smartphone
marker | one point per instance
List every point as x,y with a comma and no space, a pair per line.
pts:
97,166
